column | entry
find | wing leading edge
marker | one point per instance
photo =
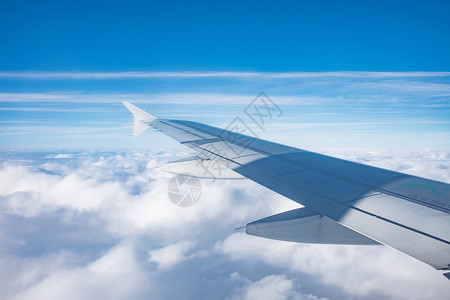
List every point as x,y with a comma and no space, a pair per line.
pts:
368,205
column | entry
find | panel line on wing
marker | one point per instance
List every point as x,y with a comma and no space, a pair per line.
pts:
364,211
441,206
401,225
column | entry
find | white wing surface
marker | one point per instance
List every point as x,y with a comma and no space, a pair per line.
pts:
345,202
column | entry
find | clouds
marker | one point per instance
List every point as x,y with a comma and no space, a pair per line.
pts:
32,192
100,224
115,275
193,74
171,255
361,271
276,287
127,191
70,109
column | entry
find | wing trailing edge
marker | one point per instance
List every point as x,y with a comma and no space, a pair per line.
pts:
200,168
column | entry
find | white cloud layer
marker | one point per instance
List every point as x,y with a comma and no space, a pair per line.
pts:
361,271
90,225
115,275
274,287
171,255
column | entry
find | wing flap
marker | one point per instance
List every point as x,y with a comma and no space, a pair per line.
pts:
306,226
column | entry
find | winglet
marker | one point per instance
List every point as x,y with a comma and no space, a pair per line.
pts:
141,118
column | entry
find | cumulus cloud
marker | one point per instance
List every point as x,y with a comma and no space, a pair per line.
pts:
63,155
361,271
30,191
171,255
115,275
275,287
100,225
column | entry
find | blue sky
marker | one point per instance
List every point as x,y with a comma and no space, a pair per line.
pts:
64,67
393,110
231,35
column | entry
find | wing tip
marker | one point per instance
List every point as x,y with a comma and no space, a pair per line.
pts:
141,118
138,113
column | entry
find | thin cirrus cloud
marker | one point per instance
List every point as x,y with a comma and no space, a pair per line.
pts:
383,102
166,98
40,75
222,99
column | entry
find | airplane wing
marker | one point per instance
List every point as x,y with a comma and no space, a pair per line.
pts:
344,202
